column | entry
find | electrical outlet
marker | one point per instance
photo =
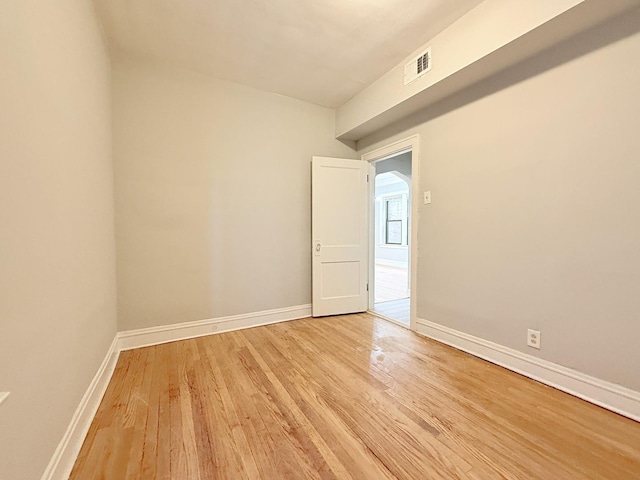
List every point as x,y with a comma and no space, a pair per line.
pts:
533,338
427,198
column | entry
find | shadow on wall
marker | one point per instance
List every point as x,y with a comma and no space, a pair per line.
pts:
593,39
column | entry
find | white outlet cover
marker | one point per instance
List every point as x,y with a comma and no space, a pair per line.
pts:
3,396
533,338
427,198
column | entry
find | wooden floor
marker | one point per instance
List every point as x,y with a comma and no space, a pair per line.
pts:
398,310
342,397
391,283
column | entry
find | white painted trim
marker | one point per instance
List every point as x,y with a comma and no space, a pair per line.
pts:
145,337
411,144
64,457
383,215
374,236
391,263
4,396
608,395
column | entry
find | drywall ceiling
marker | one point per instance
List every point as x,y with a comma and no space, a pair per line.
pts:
321,51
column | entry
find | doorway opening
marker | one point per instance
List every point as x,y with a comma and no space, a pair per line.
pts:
393,213
391,237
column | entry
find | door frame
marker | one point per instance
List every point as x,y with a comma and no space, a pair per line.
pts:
412,144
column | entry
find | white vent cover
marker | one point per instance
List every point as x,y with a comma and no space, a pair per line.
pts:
418,66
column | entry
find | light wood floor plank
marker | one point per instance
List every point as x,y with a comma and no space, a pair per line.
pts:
347,397
229,417
302,387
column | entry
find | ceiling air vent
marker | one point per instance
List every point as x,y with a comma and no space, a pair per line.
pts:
418,66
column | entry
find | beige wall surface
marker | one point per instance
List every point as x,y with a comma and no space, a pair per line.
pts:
57,248
213,195
535,220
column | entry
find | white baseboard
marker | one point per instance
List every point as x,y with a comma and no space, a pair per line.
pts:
392,263
608,395
145,337
64,457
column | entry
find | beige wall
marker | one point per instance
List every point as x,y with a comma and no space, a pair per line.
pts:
213,195
57,266
535,220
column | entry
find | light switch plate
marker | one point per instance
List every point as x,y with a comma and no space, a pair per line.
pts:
427,198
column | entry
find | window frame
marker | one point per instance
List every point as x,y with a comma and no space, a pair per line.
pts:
384,234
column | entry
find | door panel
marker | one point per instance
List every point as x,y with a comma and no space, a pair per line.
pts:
339,202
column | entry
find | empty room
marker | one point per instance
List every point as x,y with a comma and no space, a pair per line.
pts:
320,239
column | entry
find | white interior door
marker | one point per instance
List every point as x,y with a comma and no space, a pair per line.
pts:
339,228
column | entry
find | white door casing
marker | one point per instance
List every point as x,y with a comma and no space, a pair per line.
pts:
339,229
411,143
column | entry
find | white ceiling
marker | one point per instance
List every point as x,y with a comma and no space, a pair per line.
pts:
321,51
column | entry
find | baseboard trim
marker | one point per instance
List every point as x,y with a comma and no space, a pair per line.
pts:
145,337
64,457
392,263
608,395
69,447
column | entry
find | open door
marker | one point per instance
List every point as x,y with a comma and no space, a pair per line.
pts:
339,229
